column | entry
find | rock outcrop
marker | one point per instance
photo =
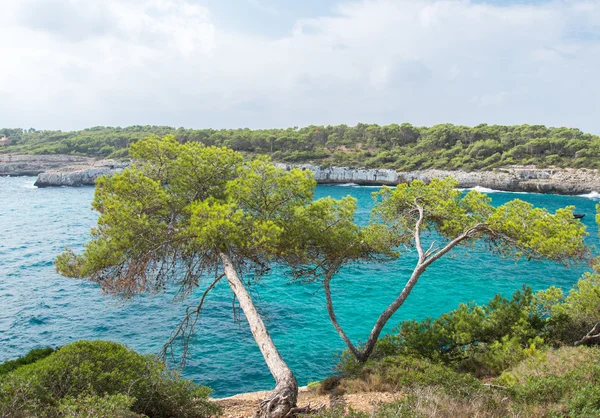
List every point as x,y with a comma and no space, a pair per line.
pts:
512,179
350,175
66,170
79,175
518,179
32,165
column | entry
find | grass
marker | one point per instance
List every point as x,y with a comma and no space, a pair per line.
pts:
562,382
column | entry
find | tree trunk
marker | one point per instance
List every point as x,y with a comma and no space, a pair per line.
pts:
592,337
285,395
369,346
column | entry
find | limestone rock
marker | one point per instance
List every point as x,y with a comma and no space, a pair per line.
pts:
79,175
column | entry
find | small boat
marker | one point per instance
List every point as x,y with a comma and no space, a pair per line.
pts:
578,215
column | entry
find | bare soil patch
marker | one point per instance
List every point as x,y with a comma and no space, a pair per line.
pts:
245,404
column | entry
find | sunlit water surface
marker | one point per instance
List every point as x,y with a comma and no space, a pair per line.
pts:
40,308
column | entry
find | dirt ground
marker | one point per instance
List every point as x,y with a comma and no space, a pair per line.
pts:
245,404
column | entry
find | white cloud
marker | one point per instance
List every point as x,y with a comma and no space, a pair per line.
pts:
265,8
76,63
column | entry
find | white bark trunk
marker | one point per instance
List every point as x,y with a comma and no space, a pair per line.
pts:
285,395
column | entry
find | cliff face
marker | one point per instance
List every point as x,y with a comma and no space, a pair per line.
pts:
558,181
79,175
32,165
65,170
514,179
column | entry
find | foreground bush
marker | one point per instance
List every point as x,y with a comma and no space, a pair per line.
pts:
100,379
484,340
566,382
562,382
399,373
526,342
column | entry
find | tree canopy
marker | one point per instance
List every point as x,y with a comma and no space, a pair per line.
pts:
401,147
438,215
190,215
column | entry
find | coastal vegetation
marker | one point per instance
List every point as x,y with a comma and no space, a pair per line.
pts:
189,215
186,215
509,357
99,379
437,215
397,146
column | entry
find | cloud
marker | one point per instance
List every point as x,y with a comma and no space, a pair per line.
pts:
259,5
77,63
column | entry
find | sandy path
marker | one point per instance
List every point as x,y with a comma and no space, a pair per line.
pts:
244,404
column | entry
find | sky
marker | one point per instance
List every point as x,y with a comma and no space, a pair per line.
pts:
72,64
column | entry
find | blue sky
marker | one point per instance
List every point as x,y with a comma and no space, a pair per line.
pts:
70,64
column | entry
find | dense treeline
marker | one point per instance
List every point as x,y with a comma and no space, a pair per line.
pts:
403,147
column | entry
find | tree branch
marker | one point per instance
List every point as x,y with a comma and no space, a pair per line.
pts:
421,266
331,311
187,325
418,232
592,337
465,235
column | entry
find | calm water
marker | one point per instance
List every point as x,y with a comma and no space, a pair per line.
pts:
40,308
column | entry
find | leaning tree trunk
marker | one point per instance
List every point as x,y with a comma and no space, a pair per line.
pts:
282,400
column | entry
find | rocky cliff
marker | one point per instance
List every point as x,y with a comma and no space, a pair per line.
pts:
32,165
80,174
65,170
513,179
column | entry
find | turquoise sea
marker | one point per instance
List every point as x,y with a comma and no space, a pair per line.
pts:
40,308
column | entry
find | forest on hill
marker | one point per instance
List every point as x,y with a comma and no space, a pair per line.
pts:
401,147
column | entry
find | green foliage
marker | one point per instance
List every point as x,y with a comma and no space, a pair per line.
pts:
566,383
183,205
515,229
89,376
395,373
402,147
94,406
31,357
482,339
570,317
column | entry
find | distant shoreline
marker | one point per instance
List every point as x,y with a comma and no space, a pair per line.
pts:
66,170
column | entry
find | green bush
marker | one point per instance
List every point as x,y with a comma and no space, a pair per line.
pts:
481,339
90,370
400,372
31,357
565,381
93,406
571,317
585,401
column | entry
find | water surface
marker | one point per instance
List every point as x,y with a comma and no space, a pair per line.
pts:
40,308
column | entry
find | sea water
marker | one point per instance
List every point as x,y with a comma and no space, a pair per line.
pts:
40,308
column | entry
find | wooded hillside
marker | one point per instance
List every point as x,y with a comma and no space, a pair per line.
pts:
402,147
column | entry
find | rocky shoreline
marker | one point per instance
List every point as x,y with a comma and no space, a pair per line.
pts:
58,170
510,179
66,170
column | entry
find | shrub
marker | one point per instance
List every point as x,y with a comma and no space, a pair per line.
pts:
93,406
481,339
571,317
91,370
400,372
565,381
31,357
